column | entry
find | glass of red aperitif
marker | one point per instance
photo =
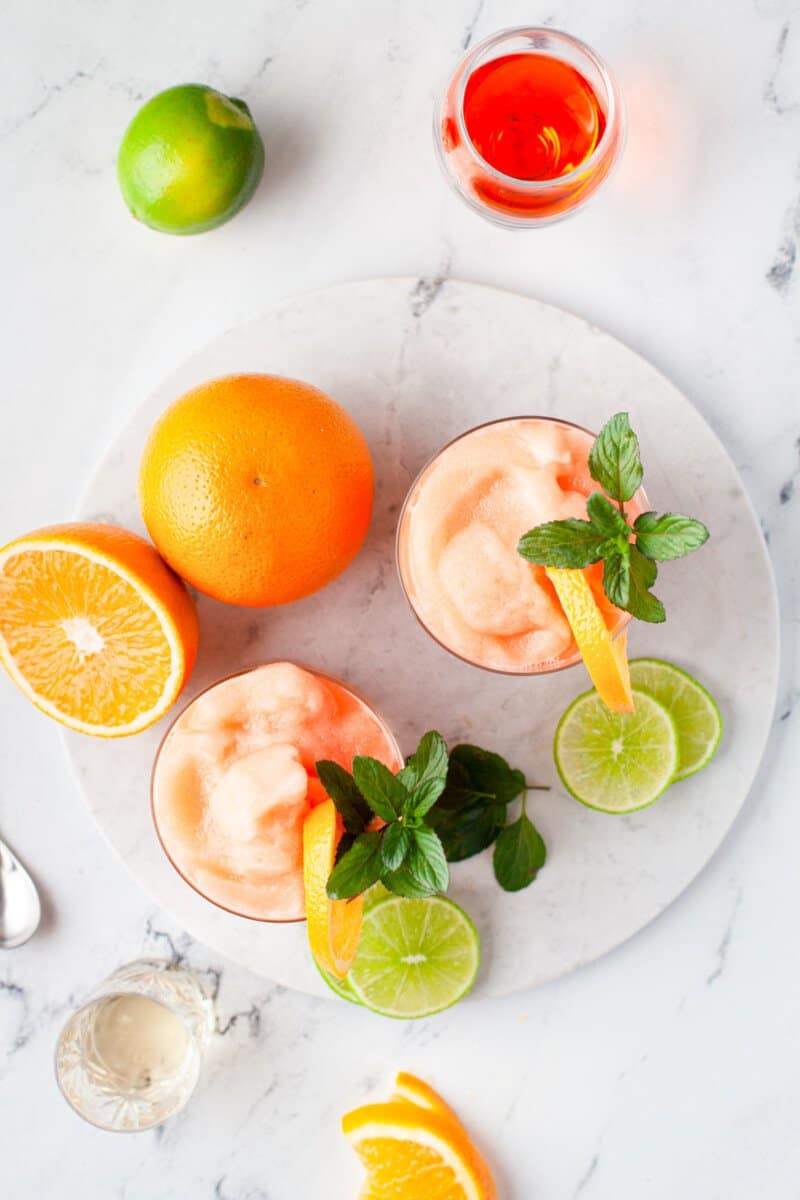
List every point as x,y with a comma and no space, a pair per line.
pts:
530,125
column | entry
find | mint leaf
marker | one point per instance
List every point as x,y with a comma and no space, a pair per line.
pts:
382,790
617,577
519,855
403,883
425,773
424,872
358,869
570,543
472,809
426,861
668,536
607,519
341,787
483,771
614,460
394,846
469,827
641,601
343,845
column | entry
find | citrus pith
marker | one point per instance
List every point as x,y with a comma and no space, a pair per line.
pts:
400,1144
95,629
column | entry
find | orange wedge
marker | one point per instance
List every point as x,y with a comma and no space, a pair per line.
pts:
412,1152
334,926
416,1091
412,1090
94,627
606,660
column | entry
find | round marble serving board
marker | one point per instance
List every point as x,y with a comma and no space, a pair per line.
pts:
415,364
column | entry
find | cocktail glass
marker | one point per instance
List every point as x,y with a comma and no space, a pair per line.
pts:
394,755
521,202
404,558
130,1057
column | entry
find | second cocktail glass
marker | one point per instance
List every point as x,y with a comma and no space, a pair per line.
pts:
457,538
234,779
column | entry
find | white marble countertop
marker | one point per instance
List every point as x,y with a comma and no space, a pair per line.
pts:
667,1069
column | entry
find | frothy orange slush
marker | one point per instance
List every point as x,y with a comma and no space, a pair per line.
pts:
235,778
458,535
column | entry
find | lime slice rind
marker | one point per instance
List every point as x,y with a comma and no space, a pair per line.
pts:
693,708
341,987
616,762
416,957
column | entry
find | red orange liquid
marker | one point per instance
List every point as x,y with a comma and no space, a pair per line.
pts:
532,116
529,126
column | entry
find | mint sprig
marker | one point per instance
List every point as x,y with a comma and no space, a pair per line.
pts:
439,808
406,855
472,813
629,553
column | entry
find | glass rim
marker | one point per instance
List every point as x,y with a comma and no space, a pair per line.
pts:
118,994
468,64
217,682
577,658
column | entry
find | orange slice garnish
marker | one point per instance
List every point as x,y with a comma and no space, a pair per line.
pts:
410,1151
95,628
606,660
334,926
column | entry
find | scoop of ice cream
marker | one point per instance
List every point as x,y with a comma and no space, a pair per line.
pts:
522,498
458,540
232,784
493,589
277,697
262,798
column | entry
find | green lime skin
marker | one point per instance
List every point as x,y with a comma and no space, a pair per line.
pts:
341,987
694,711
190,159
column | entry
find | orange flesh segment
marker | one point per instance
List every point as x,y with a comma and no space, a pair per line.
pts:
55,607
94,627
606,660
334,926
411,1152
412,1090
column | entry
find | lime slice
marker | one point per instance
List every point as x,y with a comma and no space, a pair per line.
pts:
374,894
340,986
415,958
693,709
616,762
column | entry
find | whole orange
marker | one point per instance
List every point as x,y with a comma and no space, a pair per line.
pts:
256,489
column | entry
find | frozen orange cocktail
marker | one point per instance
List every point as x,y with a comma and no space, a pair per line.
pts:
457,543
234,780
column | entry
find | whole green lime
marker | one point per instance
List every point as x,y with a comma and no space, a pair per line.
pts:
189,160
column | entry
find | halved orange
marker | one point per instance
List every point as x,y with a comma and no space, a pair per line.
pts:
411,1152
334,926
606,660
95,628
